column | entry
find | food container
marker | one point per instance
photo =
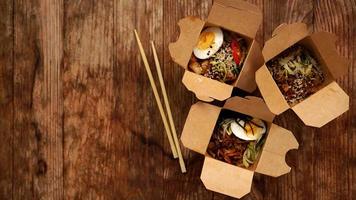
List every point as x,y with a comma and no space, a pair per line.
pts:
226,178
329,101
236,16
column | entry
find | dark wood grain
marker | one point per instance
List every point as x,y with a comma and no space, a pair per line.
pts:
6,98
27,165
88,99
335,143
140,144
47,101
78,119
37,138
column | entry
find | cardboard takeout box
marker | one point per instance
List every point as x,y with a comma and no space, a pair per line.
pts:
226,178
233,15
330,101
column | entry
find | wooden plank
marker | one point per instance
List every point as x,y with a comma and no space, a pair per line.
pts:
294,185
335,142
6,98
27,62
143,143
37,146
48,101
89,145
187,186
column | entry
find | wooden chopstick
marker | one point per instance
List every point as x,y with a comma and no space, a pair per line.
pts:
168,108
155,92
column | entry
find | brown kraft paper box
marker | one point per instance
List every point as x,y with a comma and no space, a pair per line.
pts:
330,101
226,178
234,15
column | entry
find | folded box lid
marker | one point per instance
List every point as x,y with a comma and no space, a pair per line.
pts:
181,50
270,91
236,15
206,89
199,126
254,60
283,37
272,160
250,105
323,106
225,178
324,43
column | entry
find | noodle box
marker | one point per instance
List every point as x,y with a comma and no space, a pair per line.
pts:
330,101
229,179
233,15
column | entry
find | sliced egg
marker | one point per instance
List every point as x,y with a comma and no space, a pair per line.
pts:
250,130
210,41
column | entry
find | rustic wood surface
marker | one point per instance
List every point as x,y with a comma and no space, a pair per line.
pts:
78,119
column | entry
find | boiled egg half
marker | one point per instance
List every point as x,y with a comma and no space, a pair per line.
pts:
248,130
210,41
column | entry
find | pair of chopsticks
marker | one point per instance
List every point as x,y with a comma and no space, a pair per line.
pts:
170,130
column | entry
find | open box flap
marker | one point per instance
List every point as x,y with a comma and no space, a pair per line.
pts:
250,105
283,37
226,178
236,15
199,126
181,50
270,91
323,106
254,60
325,43
205,88
272,160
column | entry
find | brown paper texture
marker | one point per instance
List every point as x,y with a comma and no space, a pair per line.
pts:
270,91
323,106
278,143
325,43
253,62
226,178
286,36
199,126
247,17
181,50
245,105
204,87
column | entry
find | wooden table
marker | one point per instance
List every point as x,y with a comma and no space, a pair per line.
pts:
78,119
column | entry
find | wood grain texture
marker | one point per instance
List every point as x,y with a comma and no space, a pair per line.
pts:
27,165
37,138
47,100
6,98
335,143
88,99
78,119
140,144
